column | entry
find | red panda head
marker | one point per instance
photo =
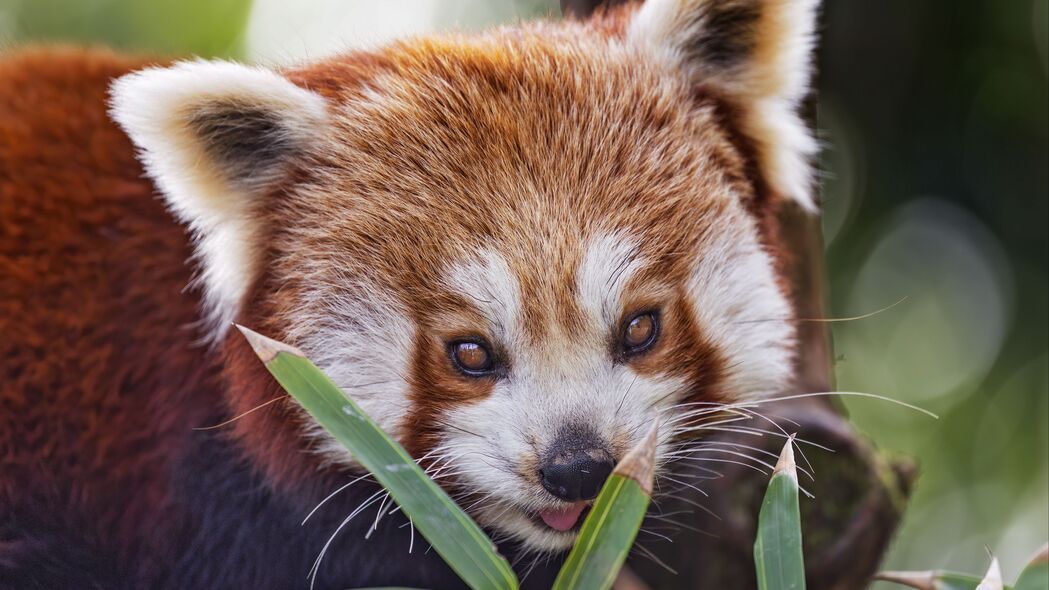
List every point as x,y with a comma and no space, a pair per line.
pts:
515,250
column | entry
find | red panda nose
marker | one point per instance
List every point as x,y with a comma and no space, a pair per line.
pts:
576,466
580,478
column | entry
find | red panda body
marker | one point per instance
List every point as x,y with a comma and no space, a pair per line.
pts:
104,483
99,379
515,250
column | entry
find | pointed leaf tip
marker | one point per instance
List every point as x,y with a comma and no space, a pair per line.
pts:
639,463
266,348
786,462
993,579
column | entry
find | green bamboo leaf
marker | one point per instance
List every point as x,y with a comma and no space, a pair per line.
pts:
931,580
609,530
1036,575
453,534
777,549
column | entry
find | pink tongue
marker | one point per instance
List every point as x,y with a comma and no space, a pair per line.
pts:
562,519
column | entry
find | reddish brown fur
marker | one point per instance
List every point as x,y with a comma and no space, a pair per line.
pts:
102,379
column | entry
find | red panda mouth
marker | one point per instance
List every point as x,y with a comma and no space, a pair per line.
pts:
565,519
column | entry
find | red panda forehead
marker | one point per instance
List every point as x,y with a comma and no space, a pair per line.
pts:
527,149
581,117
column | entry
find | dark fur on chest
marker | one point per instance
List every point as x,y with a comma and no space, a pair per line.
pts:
227,528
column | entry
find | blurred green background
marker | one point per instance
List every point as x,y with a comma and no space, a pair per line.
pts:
936,184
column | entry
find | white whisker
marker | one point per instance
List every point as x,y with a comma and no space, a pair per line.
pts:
333,494
312,574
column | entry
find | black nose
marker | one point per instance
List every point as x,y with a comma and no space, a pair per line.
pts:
576,475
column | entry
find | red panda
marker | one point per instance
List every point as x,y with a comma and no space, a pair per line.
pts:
514,249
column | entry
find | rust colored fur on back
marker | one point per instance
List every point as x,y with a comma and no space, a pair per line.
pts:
101,380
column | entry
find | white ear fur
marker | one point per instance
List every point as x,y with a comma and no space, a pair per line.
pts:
757,52
213,135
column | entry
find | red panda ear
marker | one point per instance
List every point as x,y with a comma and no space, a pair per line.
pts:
757,53
214,136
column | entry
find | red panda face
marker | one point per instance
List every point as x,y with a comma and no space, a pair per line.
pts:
513,263
516,251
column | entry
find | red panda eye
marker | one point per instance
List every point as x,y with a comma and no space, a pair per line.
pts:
640,332
471,358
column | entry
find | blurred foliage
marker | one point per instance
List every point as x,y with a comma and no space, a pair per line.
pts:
937,185
207,28
936,188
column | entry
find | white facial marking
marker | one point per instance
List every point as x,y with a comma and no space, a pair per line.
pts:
363,340
609,264
740,307
487,282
